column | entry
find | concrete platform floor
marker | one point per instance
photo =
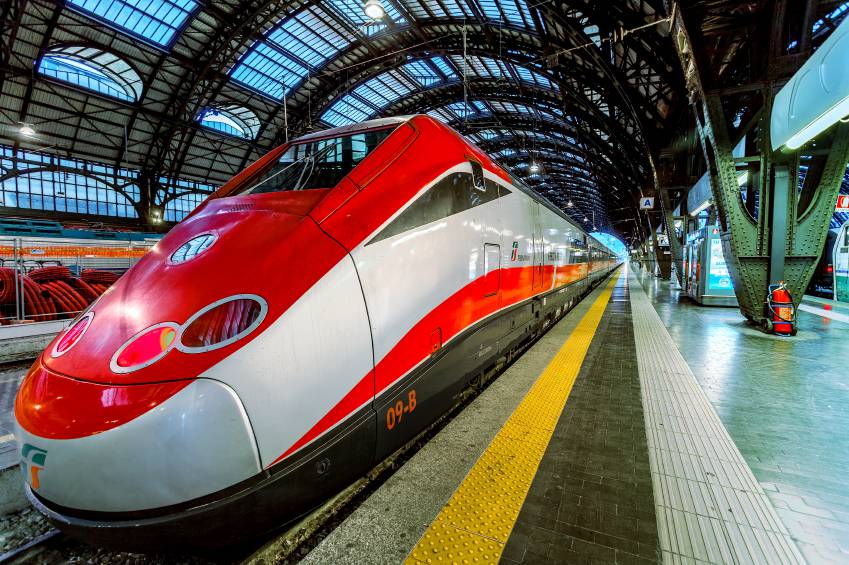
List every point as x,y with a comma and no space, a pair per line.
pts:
764,428
785,403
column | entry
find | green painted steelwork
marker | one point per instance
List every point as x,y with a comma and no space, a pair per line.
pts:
754,237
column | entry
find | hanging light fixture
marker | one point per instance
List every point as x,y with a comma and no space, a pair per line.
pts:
27,130
586,219
534,168
374,9
569,204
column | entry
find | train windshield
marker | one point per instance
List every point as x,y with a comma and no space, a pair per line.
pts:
317,164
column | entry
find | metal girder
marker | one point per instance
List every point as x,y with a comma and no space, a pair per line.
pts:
11,13
668,182
525,93
784,239
203,81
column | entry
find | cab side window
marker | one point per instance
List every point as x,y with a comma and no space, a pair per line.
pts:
477,175
453,194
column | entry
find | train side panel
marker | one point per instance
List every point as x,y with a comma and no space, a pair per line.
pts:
448,294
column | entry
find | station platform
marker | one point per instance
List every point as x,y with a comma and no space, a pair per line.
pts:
641,428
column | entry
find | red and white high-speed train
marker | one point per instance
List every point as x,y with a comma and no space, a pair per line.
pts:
308,319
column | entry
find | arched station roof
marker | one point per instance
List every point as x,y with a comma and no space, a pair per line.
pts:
187,92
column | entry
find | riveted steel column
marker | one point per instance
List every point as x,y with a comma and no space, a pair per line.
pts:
778,240
676,253
744,239
664,261
809,227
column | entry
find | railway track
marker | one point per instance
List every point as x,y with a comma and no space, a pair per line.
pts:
29,551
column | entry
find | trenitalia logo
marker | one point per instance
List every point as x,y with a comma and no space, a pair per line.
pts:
515,254
33,458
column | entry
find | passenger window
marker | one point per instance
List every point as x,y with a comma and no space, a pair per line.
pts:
452,195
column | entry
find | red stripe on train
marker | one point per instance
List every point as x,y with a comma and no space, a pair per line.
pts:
461,310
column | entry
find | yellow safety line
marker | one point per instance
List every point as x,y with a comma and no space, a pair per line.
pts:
475,524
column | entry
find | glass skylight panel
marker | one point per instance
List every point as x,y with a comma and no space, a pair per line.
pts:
443,115
311,35
833,15
463,110
94,70
490,9
493,68
423,73
485,67
352,10
384,89
533,77
265,69
232,120
592,32
460,109
156,21
511,12
525,74
481,107
503,107
443,66
424,9
368,98
347,110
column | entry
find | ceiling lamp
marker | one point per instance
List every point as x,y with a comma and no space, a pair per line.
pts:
586,219
569,204
27,130
534,169
374,9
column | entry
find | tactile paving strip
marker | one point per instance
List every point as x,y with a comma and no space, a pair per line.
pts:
475,524
709,506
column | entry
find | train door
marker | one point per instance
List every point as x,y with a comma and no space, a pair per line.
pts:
590,256
492,271
483,343
539,249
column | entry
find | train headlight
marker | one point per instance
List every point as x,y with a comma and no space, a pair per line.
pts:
72,335
193,248
216,325
145,348
221,323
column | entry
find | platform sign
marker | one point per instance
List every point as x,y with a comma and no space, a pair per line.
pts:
647,203
842,203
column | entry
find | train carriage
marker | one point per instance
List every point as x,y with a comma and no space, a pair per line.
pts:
382,268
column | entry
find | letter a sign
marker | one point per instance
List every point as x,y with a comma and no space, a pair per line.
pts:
647,203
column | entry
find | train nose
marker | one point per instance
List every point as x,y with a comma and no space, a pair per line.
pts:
94,447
